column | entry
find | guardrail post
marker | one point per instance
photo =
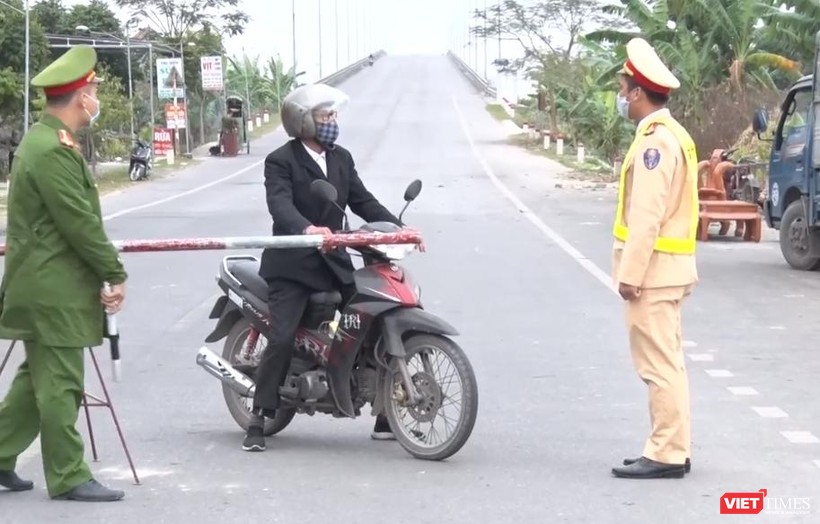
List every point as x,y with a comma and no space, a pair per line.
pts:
547,137
559,145
580,153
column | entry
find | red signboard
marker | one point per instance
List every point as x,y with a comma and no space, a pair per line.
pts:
163,141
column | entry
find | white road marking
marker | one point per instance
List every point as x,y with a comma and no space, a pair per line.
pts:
701,357
800,437
770,412
743,391
690,344
719,373
777,328
184,193
562,243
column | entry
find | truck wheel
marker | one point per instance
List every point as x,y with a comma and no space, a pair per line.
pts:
796,239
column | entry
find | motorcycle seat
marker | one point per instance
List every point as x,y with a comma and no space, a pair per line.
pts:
247,273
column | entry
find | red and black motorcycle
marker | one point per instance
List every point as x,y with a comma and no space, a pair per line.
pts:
383,348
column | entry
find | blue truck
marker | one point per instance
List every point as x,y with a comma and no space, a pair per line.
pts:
792,205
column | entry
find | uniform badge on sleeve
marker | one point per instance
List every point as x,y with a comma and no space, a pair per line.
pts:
651,158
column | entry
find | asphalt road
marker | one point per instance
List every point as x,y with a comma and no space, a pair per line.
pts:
520,267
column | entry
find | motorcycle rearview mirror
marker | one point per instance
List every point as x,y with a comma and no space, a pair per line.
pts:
327,192
410,194
412,190
324,190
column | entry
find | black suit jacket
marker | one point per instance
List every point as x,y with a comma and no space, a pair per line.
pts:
289,172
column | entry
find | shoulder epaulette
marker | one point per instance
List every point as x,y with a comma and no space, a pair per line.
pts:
65,138
650,129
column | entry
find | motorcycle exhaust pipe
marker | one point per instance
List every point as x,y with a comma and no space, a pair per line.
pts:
219,367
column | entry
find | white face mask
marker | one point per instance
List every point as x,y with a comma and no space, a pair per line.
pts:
623,106
96,114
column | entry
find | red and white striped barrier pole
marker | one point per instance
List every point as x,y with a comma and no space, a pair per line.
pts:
344,240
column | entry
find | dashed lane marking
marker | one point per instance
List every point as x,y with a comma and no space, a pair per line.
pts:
800,437
744,391
770,412
719,373
690,344
701,357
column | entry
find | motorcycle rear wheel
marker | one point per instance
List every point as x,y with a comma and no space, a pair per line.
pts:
412,440
237,404
137,172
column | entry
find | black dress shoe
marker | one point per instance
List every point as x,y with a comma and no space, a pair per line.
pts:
91,491
687,464
643,468
10,481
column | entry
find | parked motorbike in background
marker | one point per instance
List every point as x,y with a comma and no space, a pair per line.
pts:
139,166
382,349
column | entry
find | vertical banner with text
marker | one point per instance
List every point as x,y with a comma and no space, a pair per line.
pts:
211,72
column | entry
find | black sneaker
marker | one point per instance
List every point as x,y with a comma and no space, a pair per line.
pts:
255,437
381,430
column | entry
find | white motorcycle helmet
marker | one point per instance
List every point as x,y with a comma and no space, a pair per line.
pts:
299,105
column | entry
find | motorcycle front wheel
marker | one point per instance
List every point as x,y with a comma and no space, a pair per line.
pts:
238,405
137,173
438,425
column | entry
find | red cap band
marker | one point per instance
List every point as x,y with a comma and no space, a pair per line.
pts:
643,81
73,86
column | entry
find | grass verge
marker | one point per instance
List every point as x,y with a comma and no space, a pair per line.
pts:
497,112
591,170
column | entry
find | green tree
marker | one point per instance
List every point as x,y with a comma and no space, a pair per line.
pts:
179,17
12,59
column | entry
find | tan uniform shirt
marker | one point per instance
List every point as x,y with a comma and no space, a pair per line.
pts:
656,203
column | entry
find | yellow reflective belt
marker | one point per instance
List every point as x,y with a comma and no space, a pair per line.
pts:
682,246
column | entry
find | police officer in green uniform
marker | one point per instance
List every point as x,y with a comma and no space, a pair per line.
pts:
58,259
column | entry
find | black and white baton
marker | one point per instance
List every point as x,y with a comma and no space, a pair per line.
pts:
114,337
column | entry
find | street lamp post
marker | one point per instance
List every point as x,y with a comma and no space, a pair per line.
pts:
336,12
28,60
185,97
319,5
293,27
130,80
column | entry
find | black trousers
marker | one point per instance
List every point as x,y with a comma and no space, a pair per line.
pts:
287,301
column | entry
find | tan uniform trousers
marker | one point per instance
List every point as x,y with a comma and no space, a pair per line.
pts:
654,324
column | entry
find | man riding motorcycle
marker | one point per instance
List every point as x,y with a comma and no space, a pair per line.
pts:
309,117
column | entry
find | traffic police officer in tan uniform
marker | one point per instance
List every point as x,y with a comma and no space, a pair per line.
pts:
654,256
58,258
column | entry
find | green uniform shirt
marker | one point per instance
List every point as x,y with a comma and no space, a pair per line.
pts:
57,252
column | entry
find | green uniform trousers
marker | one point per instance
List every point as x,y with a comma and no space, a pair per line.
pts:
45,398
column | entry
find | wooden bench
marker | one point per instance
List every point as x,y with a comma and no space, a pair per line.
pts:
745,213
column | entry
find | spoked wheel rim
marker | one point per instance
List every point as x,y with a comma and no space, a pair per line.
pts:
434,420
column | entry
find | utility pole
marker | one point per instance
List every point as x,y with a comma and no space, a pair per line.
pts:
26,101
319,5
293,28
336,12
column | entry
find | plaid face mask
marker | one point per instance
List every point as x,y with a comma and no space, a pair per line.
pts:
327,133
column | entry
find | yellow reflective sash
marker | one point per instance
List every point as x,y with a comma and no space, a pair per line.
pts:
682,246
